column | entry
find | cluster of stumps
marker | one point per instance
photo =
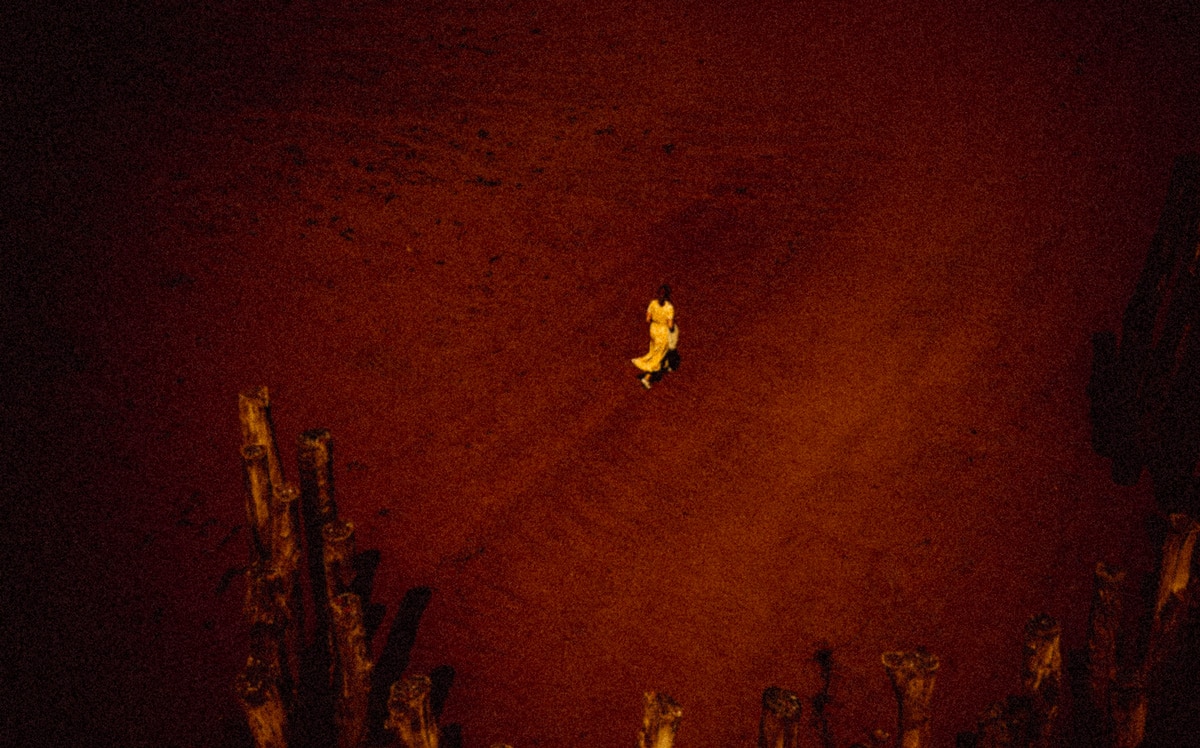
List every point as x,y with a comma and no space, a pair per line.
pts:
309,683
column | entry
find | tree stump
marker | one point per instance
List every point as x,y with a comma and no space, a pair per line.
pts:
660,721
318,508
1103,628
259,696
285,562
337,552
285,521
269,619
254,412
316,475
353,669
1171,603
410,718
912,675
1007,724
1042,678
1129,709
1176,560
258,500
779,726
263,605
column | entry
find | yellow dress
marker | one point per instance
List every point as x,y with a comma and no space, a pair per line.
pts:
661,318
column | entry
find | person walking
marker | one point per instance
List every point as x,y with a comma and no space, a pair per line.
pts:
661,316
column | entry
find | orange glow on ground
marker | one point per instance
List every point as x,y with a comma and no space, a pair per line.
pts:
890,233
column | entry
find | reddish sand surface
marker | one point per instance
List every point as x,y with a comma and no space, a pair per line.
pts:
891,229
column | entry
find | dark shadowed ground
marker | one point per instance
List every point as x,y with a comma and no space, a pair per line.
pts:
891,229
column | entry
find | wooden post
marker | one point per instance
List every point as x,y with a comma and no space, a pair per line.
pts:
269,620
660,721
912,675
316,475
410,718
285,544
285,520
259,696
286,550
354,666
254,412
285,554
1129,709
258,501
338,556
1103,627
318,509
263,608
1171,603
779,726
1176,560
1042,678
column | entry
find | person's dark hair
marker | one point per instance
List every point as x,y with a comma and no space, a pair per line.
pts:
664,292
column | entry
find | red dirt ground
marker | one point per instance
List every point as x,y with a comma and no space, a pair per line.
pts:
434,230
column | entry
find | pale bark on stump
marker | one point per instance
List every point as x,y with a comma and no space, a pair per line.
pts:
286,549
254,412
912,675
1042,677
268,618
338,555
258,501
263,606
354,667
1176,560
1103,628
285,520
779,726
410,717
1173,582
265,712
660,721
1130,703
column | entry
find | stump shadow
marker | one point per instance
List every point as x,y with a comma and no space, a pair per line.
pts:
394,657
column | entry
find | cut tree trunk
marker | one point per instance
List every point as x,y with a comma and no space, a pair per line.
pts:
779,726
353,670
1042,678
258,501
285,554
265,712
318,508
660,721
267,615
1129,708
1007,724
1171,603
1103,628
912,675
1176,560
410,717
254,412
338,557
